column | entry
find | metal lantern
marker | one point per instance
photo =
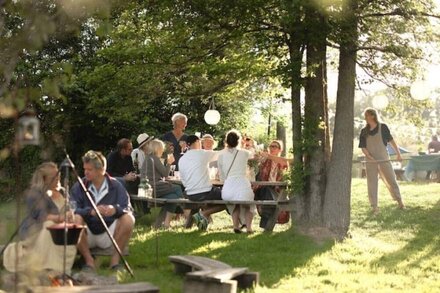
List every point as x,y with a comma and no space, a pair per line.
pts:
212,116
28,132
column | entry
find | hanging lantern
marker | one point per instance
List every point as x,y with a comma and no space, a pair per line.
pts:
420,90
212,116
380,102
28,132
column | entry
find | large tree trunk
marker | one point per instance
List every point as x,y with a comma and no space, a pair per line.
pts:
336,211
314,133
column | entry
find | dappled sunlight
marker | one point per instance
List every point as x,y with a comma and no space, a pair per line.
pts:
211,246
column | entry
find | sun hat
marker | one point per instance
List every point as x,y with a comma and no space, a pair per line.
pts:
143,138
208,137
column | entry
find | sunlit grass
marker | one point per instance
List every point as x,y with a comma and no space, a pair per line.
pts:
394,251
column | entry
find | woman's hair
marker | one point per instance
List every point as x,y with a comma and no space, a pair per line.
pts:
154,146
41,178
232,138
178,116
97,159
371,112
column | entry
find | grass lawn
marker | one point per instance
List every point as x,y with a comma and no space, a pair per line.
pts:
394,251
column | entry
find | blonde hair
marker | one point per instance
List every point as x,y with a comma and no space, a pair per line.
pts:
41,179
154,146
178,116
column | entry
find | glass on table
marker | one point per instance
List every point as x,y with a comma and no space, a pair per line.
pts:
72,206
172,170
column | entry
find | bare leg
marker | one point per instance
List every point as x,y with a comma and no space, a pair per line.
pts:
124,228
249,216
83,245
236,217
168,219
212,210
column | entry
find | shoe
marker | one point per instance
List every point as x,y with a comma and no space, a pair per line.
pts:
117,268
87,268
243,226
197,217
237,231
201,221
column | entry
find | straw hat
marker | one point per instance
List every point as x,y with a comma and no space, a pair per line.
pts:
143,138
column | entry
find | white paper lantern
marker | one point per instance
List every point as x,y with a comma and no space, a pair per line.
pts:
380,102
420,90
212,117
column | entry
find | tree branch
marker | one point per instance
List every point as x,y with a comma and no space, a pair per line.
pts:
401,12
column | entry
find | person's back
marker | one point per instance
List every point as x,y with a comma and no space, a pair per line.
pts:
434,145
194,172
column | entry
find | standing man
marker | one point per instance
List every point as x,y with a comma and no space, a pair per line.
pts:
120,165
177,136
194,173
114,205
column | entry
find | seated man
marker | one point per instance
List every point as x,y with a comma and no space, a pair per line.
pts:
194,172
120,165
113,204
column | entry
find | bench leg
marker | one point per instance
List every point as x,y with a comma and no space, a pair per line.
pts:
160,218
248,280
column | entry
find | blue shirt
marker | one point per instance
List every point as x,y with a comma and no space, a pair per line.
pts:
169,136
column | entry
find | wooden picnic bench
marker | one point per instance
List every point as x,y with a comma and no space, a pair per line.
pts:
140,287
281,203
208,275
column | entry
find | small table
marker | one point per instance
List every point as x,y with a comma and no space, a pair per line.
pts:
429,162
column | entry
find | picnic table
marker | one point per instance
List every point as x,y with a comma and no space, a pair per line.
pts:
280,203
429,162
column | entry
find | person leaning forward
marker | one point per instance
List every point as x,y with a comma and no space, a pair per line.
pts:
194,172
113,203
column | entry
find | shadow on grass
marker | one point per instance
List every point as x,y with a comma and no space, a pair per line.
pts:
419,225
274,255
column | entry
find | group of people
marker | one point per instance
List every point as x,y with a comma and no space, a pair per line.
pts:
108,180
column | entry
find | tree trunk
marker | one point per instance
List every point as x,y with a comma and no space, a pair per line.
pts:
281,135
336,211
314,133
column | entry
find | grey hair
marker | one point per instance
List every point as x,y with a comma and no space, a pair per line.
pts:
97,159
178,116
154,146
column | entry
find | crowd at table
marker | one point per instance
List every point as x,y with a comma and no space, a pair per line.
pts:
109,180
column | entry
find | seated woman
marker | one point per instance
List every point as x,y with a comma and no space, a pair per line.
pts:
45,206
232,164
271,168
155,170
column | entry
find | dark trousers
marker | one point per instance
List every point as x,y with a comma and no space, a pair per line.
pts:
264,193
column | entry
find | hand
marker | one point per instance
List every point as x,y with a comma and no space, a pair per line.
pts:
130,176
399,158
170,159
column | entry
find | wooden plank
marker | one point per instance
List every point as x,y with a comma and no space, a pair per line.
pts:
198,262
217,275
253,183
139,287
198,286
205,202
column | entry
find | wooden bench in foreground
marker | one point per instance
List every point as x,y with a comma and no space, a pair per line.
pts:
208,275
141,287
278,205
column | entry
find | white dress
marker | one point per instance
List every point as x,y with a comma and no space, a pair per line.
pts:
236,185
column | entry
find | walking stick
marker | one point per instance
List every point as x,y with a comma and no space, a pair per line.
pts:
101,219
